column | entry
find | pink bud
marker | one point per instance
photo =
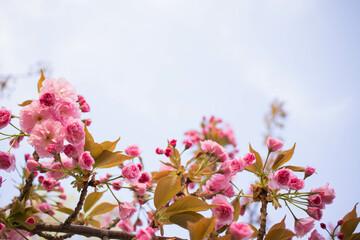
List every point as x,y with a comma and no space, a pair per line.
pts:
159,151
304,225
315,213
117,184
85,107
32,165
49,184
30,221
51,149
44,207
63,196
86,160
274,144
173,143
88,121
309,171
27,156
249,159
188,143
126,210
168,152
41,179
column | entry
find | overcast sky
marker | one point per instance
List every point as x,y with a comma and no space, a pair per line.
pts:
151,69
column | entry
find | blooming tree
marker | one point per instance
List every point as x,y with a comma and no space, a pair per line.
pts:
64,148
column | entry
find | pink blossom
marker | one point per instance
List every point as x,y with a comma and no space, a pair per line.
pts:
217,181
131,173
280,179
240,231
168,152
74,131
140,188
133,150
296,183
62,89
249,159
126,210
316,201
85,107
316,236
173,143
213,148
126,226
117,184
315,213
44,207
5,117
86,160
73,151
7,161
188,143
309,171
41,179
146,234
30,221
237,165
47,99
159,151
15,142
304,225
145,178
46,133
32,114
49,184
194,136
2,227
62,196
229,133
32,165
88,121
228,190
65,109
223,213
327,194
274,144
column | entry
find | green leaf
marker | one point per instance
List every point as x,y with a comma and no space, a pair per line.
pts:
166,189
199,230
102,208
236,204
348,227
110,146
182,219
186,204
25,103
42,78
279,234
283,157
109,159
352,214
258,162
91,199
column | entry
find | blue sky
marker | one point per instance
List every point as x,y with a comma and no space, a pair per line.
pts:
151,69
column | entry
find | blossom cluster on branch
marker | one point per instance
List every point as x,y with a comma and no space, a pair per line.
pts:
183,186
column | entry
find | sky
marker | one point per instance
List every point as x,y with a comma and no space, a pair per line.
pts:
151,69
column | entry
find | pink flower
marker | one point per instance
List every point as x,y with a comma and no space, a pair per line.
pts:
7,161
173,143
65,109
5,117
188,143
47,99
74,130
304,225
315,213
85,107
194,136
30,221
15,142
280,179
33,113
240,231
316,201
159,151
223,213
133,150
46,133
274,144
316,236
327,194
131,173
73,151
217,181
44,207
126,226
168,152
296,183
249,159
237,165
145,178
126,210
2,227
117,184
32,165
213,148
146,234
140,188
49,184
86,160
62,89
228,190
309,171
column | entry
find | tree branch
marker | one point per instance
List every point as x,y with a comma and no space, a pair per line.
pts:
263,213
